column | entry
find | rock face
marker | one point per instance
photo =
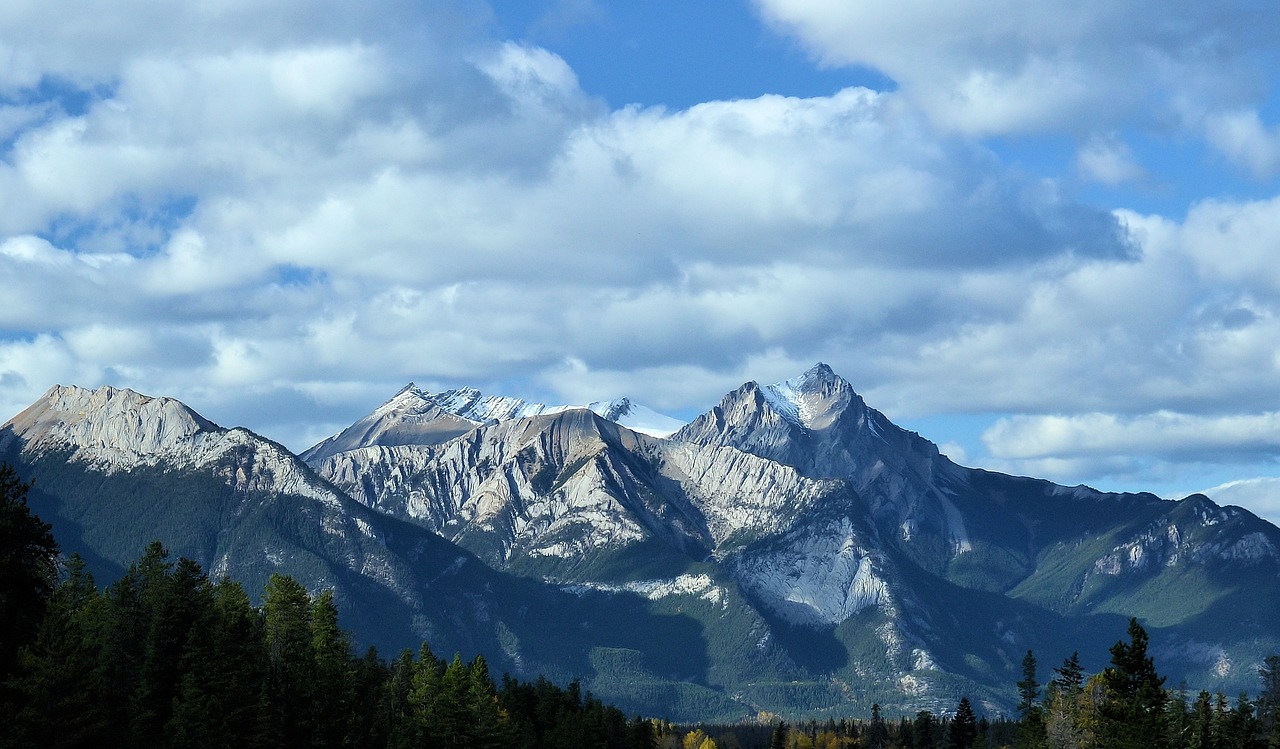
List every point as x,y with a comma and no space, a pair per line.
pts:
791,535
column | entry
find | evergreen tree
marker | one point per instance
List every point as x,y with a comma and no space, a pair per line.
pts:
1062,705
489,717
62,686
1132,711
222,698
290,661
28,569
1178,718
963,730
1069,678
1031,729
397,714
370,680
423,724
1201,735
173,600
1269,701
332,694
926,731
778,739
877,731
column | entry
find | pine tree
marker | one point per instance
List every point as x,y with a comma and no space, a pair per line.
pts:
331,693
423,725
174,599
1062,706
778,739
926,731
1269,701
397,713
490,719
1070,676
62,684
877,731
1031,728
964,726
1132,711
222,698
28,569
290,661
1178,718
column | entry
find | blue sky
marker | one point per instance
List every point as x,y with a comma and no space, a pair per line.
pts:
1044,236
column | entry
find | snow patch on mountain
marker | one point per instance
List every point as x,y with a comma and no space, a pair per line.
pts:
813,400
699,586
470,403
637,418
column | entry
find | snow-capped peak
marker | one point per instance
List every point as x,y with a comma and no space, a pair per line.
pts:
635,417
812,400
409,398
470,403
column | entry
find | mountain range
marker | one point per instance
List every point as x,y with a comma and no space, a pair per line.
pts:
790,551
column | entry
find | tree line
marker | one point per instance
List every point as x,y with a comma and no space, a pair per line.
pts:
1125,706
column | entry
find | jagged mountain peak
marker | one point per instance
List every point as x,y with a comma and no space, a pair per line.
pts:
410,417
106,417
408,397
767,420
812,400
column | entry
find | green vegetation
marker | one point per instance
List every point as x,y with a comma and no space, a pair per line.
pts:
164,657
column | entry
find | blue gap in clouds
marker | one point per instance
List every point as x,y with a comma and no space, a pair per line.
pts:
290,275
673,53
144,227
56,97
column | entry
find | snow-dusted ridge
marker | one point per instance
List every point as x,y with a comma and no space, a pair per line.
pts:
475,406
414,416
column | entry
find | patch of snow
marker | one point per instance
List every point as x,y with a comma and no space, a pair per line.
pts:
470,403
701,586
635,417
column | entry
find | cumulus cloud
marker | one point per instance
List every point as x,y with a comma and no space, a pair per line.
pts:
282,214
1004,67
1261,495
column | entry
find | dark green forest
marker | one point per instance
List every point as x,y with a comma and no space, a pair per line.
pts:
166,657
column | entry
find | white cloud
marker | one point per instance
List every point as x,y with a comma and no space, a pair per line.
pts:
1260,495
284,213
1108,160
1160,433
1008,67
1243,138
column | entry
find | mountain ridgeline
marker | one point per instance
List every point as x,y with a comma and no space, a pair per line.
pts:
790,551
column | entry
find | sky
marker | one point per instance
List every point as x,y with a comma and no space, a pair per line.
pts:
1044,235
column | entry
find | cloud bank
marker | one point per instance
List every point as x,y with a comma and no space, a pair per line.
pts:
282,214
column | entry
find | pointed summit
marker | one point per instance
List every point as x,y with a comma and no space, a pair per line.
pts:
814,399
410,417
814,422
